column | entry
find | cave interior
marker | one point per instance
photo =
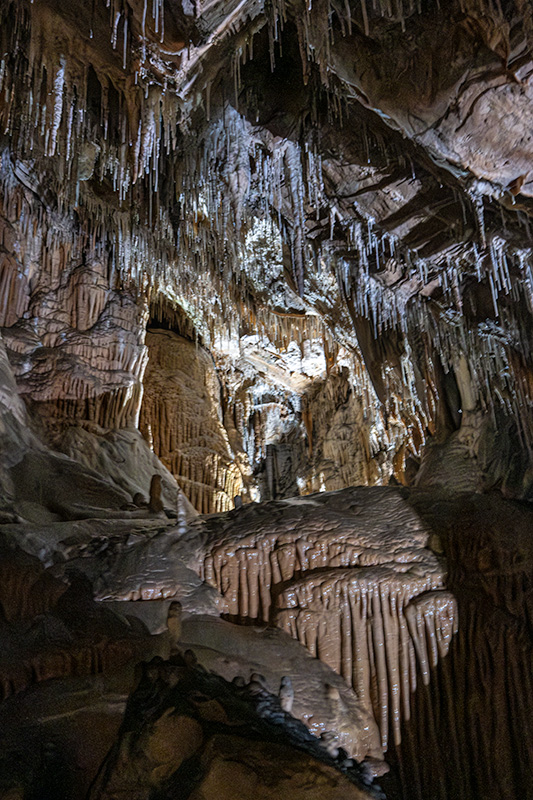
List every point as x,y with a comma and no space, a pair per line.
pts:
266,399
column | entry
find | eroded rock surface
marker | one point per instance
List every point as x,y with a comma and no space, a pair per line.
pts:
188,731
354,575
348,574
471,726
360,211
96,476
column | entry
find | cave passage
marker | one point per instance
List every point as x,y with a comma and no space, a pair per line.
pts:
266,395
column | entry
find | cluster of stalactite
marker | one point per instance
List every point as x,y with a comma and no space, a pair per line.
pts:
476,713
362,593
300,418
180,418
347,446
441,324
25,589
299,425
201,189
471,727
74,334
378,627
66,659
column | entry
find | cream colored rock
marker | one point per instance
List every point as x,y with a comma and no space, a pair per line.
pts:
378,627
180,417
232,651
125,458
256,550
342,574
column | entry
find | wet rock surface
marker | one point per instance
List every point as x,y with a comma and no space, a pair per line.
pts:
318,695
190,733
377,608
52,628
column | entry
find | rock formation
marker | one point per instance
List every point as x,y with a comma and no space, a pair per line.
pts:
349,576
180,417
266,393
182,721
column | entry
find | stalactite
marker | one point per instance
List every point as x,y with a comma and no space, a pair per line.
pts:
376,612
180,414
342,614
70,125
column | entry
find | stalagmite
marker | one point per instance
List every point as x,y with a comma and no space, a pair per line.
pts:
174,626
286,694
155,504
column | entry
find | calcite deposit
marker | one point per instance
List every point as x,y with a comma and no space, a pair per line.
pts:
181,418
266,393
364,626
348,575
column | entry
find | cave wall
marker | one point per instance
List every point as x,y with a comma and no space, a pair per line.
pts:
475,711
74,332
181,419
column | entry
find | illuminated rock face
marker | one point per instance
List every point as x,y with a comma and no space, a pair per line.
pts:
253,251
181,418
361,590
349,575
75,339
378,628
320,697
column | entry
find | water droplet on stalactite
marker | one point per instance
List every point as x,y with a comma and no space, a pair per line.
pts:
237,75
479,208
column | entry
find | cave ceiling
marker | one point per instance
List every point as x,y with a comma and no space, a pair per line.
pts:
355,172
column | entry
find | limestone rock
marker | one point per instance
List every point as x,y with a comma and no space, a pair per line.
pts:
169,722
